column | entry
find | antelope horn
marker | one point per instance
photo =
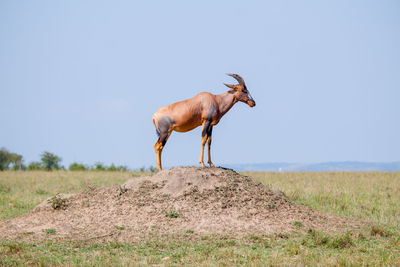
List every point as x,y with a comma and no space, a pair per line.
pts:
237,77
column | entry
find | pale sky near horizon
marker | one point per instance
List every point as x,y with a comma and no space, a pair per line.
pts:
81,79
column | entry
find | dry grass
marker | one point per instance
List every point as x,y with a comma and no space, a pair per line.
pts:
20,191
369,196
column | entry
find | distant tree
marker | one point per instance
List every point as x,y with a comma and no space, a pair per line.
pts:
77,167
122,168
99,166
7,158
112,168
152,168
50,161
18,166
4,159
17,162
35,165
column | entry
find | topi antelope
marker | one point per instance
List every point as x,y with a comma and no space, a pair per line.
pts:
204,109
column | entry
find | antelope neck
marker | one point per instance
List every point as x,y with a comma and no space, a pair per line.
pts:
225,102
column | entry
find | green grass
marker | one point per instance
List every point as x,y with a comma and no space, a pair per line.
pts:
370,197
50,231
313,248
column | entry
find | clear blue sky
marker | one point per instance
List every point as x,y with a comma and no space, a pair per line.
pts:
82,79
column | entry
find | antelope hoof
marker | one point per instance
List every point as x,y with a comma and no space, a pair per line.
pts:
211,164
202,164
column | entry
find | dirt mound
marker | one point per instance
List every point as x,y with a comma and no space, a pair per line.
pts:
177,200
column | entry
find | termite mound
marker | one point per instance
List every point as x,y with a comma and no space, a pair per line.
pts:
174,201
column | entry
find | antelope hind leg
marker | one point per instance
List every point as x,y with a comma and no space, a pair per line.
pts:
158,149
209,137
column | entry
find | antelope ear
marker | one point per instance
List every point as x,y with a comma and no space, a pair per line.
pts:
230,86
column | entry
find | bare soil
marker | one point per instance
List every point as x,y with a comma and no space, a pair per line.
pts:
177,200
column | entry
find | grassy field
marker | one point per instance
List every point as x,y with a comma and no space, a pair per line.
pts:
368,196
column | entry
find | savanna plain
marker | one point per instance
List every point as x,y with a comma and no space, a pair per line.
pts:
372,198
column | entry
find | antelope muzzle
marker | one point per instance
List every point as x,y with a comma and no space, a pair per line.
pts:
251,103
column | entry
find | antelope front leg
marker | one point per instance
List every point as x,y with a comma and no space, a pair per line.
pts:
203,142
209,134
206,125
158,147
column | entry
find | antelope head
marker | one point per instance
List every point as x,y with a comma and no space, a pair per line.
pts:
240,91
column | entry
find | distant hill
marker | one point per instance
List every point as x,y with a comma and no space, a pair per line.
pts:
323,166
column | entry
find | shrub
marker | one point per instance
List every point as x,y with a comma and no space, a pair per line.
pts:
19,166
77,167
58,203
99,166
122,168
152,169
35,165
112,168
172,214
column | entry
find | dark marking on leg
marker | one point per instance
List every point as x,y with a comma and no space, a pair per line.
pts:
209,131
159,145
207,128
164,125
209,137
212,112
164,130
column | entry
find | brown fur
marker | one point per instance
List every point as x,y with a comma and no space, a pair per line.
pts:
204,109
